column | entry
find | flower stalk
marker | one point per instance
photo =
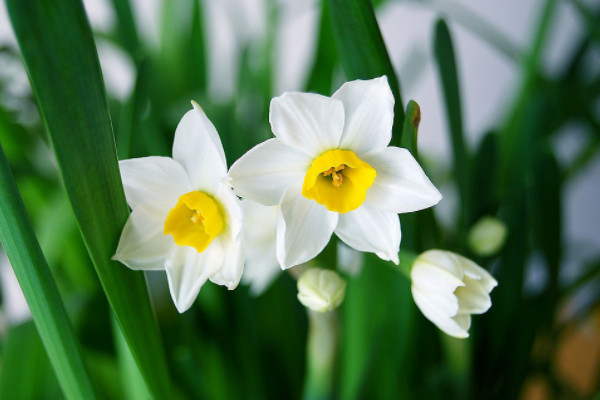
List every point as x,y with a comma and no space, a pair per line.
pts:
321,352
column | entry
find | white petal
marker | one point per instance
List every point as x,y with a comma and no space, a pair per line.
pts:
154,181
369,111
188,270
435,315
261,266
400,185
231,239
266,171
303,229
437,270
143,245
198,148
370,229
473,270
260,227
308,122
233,264
233,211
473,298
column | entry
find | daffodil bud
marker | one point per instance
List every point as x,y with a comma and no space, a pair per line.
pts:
448,288
487,236
321,289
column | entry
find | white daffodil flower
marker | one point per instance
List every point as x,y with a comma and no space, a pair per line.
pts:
321,290
185,218
448,288
330,170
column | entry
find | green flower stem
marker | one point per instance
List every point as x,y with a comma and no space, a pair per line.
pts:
321,352
457,353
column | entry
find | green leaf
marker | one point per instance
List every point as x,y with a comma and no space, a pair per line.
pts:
375,355
40,290
321,75
444,53
26,371
362,51
127,34
62,64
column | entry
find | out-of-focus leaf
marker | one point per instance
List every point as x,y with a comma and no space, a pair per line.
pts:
138,134
40,290
446,63
321,75
362,51
181,67
482,189
26,373
127,33
375,355
62,63
132,383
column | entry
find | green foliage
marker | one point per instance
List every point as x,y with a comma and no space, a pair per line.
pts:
81,134
234,345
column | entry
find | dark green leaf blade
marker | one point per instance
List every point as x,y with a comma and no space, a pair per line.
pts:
362,51
40,290
61,60
446,62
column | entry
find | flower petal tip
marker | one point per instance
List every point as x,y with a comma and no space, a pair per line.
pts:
196,106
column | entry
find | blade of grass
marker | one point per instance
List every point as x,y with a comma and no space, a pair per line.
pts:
40,290
446,62
62,63
362,52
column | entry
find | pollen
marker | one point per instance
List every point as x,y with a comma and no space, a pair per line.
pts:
197,217
336,175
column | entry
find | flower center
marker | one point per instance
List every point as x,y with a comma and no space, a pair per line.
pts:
339,180
195,221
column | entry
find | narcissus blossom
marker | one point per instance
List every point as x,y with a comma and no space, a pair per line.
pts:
185,218
448,288
329,168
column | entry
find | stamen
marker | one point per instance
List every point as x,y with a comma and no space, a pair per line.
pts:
336,179
197,218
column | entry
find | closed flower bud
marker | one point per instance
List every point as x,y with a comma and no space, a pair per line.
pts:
448,288
487,236
321,289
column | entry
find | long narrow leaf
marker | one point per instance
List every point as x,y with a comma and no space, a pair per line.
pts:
61,60
446,62
362,51
26,371
40,290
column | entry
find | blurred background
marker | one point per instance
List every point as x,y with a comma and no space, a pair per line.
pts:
540,340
